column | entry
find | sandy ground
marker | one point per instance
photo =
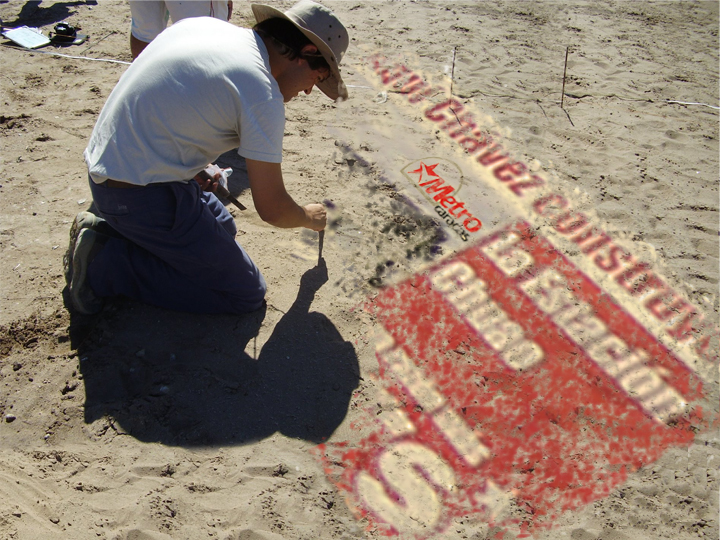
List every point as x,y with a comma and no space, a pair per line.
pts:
142,423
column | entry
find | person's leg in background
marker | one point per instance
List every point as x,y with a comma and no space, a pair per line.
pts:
220,9
150,17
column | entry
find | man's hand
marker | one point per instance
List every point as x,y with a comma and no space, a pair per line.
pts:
317,216
209,177
207,182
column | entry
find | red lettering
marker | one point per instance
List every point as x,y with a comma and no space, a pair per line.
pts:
651,284
552,201
705,351
474,227
469,144
442,192
458,205
475,144
450,123
412,82
448,200
491,155
430,114
665,305
413,88
521,185
389,76
570,224
627,279
683,330
417,97
595,246
455,134
510,171
435,181
466,123
436,186
561,217
611,262
590,234
375,61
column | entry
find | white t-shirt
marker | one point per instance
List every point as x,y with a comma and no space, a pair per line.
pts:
201,88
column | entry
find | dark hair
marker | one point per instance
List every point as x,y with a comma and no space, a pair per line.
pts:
290,41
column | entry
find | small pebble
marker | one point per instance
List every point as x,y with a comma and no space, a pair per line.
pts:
81,201
16,366
140,353
10,418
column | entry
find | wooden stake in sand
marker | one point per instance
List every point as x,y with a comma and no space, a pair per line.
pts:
452,71
562,99
321,238
452,80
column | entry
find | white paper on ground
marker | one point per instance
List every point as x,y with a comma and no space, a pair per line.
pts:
27,37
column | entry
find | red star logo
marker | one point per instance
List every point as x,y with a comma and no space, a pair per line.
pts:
429,170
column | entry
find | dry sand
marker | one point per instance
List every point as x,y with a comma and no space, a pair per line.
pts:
146,424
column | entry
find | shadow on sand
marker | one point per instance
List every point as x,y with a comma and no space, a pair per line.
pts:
33,14
185,380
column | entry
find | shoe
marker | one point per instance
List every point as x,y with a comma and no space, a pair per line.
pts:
88,244
84,220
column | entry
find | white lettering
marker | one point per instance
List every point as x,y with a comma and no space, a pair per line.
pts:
383,341
506,256
461,436
397,423
629,368
496,501
463,439
419,508
457,273
411,378
468,295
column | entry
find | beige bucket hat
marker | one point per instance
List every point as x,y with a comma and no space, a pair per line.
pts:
324,29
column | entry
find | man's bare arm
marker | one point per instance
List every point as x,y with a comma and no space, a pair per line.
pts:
275,205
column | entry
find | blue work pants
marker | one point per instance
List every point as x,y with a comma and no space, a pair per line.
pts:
178,252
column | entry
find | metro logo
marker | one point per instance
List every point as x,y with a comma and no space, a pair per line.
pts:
549,413
441,192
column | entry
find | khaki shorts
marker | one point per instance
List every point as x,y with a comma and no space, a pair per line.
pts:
150,17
